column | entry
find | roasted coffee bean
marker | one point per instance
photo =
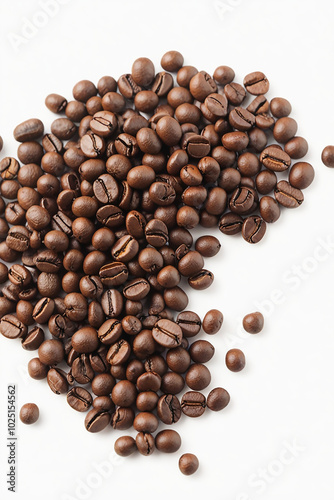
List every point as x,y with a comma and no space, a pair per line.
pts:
172,383
198,377
201,280
189,322
43,310
275,159
256,83
119,352
125,446
145,443
57,381
36,369
18,238
28,130
169,409
114,274
11,327
97,420
285,129
79,399
266,181
253,322
112,303
167,333
327,156
280,107
288,196
235,360
241,119
230,223
207,246
269,209
212,321
301,175
188,464
9,168
168,441
29,413
123,418
253,229
201,351
218,399
193,404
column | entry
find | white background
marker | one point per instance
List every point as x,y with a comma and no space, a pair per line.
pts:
284,397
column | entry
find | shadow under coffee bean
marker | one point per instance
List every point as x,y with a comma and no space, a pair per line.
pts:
96,232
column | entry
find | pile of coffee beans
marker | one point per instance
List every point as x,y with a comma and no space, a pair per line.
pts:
96,226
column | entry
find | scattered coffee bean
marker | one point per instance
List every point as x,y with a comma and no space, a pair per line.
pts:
29,413
235,360
188,464
327,156
253,322
218,399
213,321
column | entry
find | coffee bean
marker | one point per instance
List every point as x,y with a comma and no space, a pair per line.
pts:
79,399
266,181
97,420
28,130
201,85
224,75
275,159
301,175
235,360
212,321
269,209
114,274
193,404
198,377
235,93
11,327
253,229
230,223
123,418
201,280
168,441
288,196
29,413
201,351
241,119
218,399
55,103
43,310
57,381
208,246
125,446
112,303
256,83
9,168
119,352
188,464
36,369
327,156
167,333
253,322
169,409
280,107
145,443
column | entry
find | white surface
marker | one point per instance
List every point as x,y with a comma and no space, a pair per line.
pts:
284,397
